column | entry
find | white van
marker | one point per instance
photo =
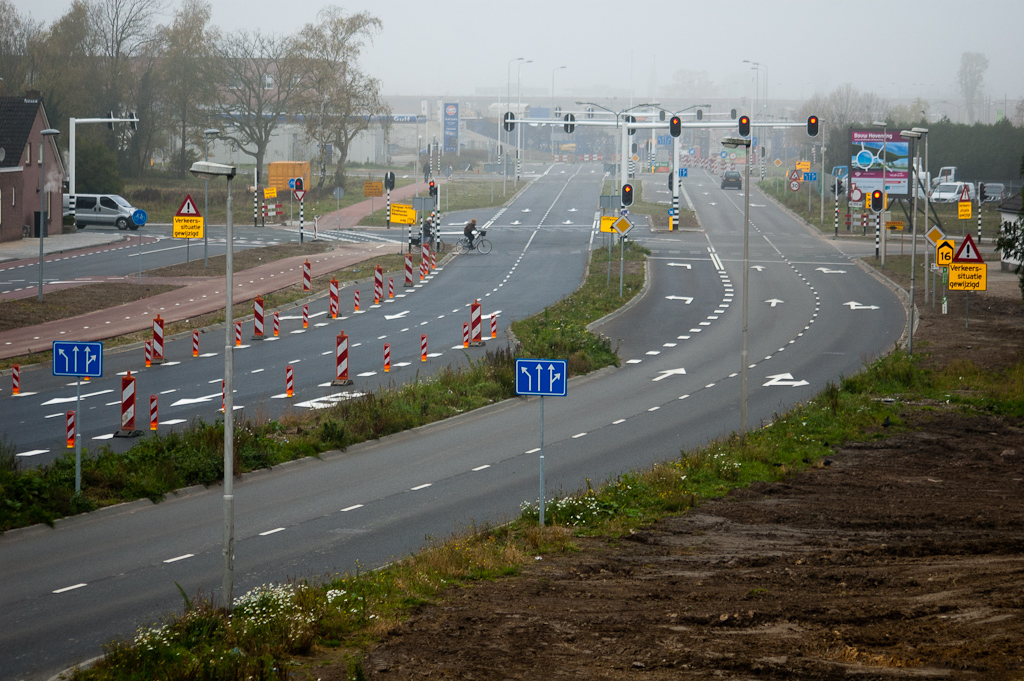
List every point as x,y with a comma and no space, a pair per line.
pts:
101,209
950,192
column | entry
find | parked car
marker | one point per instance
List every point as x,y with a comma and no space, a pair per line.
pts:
732,178
950,192
101,209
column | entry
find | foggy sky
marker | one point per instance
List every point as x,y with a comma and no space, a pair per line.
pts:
899,49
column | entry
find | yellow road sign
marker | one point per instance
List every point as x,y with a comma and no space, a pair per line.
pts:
607,221
371,189
270,192
935,235
804,166
622,225
963,210
403,214
944,251
968,276
895,225
188,227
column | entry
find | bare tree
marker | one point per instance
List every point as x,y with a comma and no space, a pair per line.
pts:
123,28
971,80
339,100
839,110
257,85
64,65
17,34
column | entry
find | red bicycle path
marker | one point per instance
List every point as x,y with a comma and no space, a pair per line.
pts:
200,295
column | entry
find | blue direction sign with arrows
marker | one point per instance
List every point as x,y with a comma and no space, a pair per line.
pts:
77,358
541,377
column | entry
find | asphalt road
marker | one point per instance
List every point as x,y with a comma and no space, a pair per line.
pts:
69,589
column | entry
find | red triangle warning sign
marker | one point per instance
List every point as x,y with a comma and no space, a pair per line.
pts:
965,195
967,252
188,208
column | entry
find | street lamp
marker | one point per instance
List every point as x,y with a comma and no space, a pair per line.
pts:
49,132
913,135
508,102
884,125
207,134
552,142
732,143
519,110
205,170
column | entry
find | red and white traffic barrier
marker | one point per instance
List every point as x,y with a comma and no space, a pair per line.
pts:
341,361
154,421
223,404
195,343
158,339
391,287
433,264
307,276
277,324
273,210
408,270
355,299
424,261
71,429
378,284
476,323
335,305
494,326
465,334
305,316
128,406
257,318
238,334
387,357
289,381
149,353
16,380
423,347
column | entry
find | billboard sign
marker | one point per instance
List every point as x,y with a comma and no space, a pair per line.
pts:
451,127
874,150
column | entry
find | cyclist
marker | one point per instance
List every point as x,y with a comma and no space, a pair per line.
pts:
470,232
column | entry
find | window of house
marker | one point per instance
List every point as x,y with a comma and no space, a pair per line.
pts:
268,81
39,157
28,154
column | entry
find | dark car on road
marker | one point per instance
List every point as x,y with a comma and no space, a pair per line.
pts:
732,178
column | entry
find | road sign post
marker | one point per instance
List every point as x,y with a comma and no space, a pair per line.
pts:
541,377
82,360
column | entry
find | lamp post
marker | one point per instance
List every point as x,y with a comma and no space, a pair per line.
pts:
508,102
915,136
519,110
207,134
757,82
884,125
552,142
205,170
733,142
49,132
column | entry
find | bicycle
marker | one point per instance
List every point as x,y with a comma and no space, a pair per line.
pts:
482,244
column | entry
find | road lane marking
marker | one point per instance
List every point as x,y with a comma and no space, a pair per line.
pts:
533,451
182,557
33,452
273,531
480,468
578,435
615,423
351,508
419,487
69,588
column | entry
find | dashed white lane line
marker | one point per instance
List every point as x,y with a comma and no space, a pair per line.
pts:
578,435
273,531
351,508
172,422
480,468
683,397
533,451
615,423
177,558
419,487
69,588
654,409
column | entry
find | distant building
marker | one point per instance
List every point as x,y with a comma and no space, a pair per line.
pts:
22,120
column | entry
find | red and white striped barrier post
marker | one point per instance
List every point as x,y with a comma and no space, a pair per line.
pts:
128,407
341,361
355,299
222,403
465,334
335,305
71,429
305,316
149,353
476,324
154,421
423,347
238,334
408,270
494,326
158,339
433,264
195,343
387,357
16,380
257,318
424,261
307,276
289,381
378,284
391,287
277,324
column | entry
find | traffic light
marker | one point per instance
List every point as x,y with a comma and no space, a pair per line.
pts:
670,182
510,121
982,196
675,126
298,184
812,126
627,195
134,123
661,115
630,118
744,126
433,188
877,201
110,124
732,114
840,188
570,123
700,114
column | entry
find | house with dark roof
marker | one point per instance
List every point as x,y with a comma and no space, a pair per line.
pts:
22,189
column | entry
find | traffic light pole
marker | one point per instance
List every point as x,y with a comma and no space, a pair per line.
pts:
674,219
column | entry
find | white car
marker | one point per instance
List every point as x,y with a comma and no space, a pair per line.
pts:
950,192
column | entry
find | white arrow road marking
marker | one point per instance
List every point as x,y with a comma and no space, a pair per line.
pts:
670,372
774,301
516,222
527,210
680,264
828,271
571,210
685,299
785,379
759,268
854,305
62,400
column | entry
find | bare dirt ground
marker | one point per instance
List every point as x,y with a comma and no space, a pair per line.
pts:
903,558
